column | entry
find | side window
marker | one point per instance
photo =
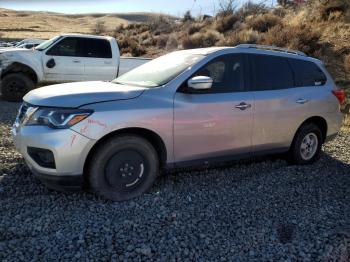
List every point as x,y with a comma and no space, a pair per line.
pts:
226,72
272,73
307,73
97,48
66,47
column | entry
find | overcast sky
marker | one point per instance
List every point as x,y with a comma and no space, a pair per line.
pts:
174,7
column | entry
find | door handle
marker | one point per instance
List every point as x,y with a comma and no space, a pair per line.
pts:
243,106
302,101
76,61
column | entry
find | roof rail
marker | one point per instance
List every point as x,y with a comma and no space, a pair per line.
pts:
272,48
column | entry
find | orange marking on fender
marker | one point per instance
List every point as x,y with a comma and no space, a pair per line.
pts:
73,139
96,122
83,129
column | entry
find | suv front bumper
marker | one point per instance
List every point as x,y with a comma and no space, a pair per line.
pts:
69,149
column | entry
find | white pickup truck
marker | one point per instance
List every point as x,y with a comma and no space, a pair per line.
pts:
64,58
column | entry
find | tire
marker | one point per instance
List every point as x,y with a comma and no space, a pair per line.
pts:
123,168
304,151
15,86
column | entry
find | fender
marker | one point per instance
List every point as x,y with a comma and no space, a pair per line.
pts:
28,58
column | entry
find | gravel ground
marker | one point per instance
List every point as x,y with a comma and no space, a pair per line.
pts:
261,210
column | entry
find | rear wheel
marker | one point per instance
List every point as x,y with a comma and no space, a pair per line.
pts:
15,86
123,167
306,146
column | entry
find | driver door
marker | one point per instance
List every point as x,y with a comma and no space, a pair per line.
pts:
213,123
63,62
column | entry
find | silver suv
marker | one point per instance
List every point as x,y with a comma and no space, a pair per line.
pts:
186,108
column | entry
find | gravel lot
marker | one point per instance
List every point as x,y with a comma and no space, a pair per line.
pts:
261,210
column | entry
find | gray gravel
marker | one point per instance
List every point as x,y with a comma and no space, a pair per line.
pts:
260,210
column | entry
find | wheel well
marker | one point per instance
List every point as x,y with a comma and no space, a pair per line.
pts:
320,122
147,134
20,68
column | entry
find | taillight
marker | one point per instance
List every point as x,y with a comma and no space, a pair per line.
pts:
340,95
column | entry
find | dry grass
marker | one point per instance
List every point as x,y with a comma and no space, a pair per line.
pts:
263,22
19,25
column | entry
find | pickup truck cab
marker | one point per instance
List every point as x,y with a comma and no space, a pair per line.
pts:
186,108
64,58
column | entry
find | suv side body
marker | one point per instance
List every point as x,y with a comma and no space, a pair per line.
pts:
185,125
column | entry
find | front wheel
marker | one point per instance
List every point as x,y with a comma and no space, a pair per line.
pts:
15,86
306,146
123,167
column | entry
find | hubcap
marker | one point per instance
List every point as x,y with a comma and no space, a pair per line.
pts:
125,169
15,87
309,146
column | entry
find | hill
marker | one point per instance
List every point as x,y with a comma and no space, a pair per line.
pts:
27,24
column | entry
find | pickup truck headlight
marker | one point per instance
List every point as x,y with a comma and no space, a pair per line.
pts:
55,117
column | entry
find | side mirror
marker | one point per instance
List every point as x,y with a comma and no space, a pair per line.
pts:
200,82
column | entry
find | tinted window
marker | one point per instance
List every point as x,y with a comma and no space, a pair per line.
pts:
97,48
66,47
307,73
272,73
226,72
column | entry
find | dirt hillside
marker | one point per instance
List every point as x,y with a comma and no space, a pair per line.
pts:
23,24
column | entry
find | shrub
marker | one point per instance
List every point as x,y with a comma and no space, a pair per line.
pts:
207,39
328,7
172,43
193,29
300,37
347,63
251,8
262,23
162,41
160,25
225,23
130,45
226,7
249,36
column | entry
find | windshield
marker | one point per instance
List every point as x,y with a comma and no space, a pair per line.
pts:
47,43
159,71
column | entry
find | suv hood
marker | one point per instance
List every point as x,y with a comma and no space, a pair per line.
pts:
81,93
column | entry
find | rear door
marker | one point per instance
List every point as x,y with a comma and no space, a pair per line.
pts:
216,122
281,103
63,62
98,60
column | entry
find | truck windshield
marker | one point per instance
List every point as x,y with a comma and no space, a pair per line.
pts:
159,71
47,43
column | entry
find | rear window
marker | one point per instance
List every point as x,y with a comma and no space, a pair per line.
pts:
272,73
307,73
96,48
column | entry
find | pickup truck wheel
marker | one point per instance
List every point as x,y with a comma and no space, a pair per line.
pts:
123,167
306,146
15,86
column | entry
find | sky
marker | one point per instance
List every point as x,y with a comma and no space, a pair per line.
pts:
173,7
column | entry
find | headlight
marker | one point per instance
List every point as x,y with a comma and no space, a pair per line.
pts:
55,117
